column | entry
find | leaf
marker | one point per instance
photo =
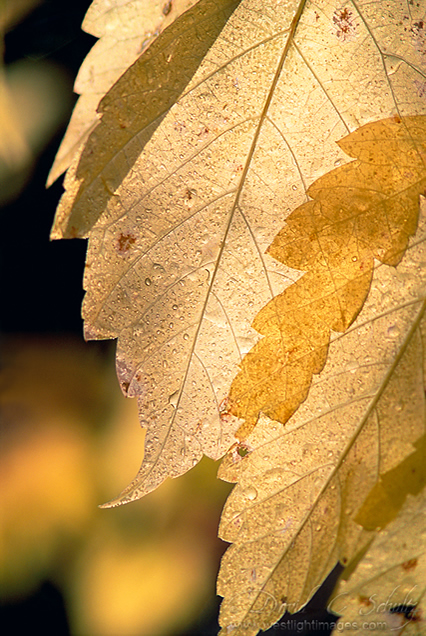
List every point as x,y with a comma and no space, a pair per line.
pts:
345,461
300,352
388,585
364,210
125,31
185,181
298,506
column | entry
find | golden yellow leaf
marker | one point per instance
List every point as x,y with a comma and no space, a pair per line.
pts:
124,30
387,590
359,212
204,147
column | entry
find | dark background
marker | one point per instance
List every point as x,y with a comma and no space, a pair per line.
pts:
42,290
41,280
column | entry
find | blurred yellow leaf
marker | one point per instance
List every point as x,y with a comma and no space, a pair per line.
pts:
145,588
14,150
12,11
64,429
34,101
47,476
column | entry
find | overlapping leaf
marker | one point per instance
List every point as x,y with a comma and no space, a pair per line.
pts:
364,210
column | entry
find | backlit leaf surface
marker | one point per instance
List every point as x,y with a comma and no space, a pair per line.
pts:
388,586
125,30
251,198
205,146
298,506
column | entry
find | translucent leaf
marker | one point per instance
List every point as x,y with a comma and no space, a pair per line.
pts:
204,147
388,586
314,492
359,212
125,30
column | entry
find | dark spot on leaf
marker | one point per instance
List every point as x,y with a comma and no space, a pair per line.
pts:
167,7
344,20
73,232
364,600
242,451
204,131
421,88
125,386
125,242
409,565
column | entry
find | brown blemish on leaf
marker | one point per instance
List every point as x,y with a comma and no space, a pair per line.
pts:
409,612
409,565
418,32
125,242
167,7
364,600
125,387
344,20
179,126
361,211
73,232
421,88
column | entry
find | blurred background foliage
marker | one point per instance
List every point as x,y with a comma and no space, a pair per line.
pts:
69,440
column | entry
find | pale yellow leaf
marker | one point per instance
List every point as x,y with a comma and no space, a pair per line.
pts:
390,579
293,514
33,104
14,147
205,146
125,28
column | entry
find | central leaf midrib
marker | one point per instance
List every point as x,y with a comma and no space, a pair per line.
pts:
292,31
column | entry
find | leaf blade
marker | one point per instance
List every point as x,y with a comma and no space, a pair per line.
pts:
129,217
